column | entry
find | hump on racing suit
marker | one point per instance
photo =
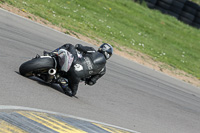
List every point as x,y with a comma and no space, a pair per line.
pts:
90,64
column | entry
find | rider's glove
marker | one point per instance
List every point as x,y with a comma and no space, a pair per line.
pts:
89,82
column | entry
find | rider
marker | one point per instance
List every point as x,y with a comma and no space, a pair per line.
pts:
88,66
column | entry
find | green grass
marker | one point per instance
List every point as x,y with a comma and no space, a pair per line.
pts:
125,23
196,1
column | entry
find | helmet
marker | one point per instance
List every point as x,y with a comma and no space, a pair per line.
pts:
106,49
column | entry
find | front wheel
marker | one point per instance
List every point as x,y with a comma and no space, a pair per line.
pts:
36,65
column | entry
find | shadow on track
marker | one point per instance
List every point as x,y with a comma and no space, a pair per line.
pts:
40,81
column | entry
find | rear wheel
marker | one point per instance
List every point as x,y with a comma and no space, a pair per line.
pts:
36,65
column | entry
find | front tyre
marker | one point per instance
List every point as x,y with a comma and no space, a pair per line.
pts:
28,68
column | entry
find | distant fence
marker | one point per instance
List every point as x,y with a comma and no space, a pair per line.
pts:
183,10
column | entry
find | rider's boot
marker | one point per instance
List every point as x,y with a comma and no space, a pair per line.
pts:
64,85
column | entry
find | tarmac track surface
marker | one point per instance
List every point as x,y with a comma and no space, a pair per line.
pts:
129,95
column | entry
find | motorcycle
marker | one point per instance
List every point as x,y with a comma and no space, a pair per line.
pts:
47,67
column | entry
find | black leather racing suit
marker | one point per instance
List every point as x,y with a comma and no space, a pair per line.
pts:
89,68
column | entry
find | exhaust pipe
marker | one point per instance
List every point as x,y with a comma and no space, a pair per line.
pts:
51,73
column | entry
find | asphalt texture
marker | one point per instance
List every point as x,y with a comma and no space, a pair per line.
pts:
130,95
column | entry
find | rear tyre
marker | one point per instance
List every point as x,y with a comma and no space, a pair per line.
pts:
30,67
